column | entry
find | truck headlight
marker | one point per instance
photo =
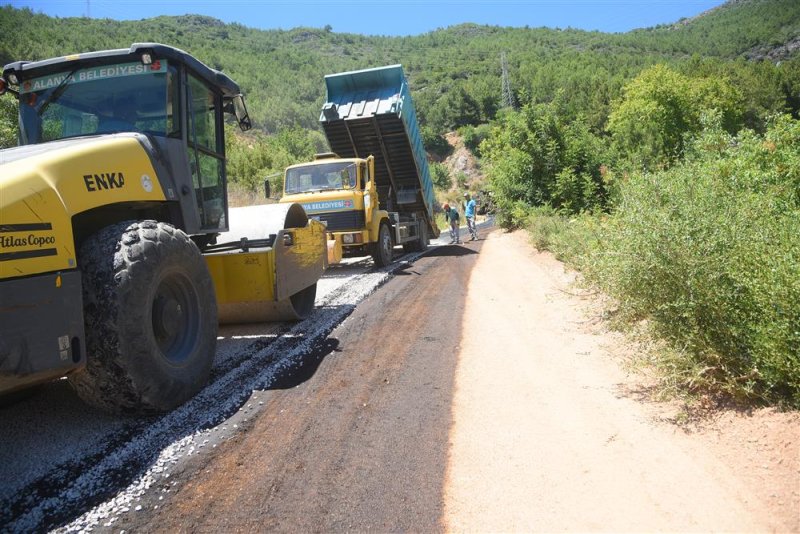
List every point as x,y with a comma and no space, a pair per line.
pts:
352,239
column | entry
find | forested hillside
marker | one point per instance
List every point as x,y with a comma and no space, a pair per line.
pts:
454,72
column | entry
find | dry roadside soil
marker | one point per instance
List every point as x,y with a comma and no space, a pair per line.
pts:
575,442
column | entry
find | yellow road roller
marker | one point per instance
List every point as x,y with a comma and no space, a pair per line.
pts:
118,252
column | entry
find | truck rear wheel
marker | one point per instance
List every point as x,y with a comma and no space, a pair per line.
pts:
422,243
151,318
382,252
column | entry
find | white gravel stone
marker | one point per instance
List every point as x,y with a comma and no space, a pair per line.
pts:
68,431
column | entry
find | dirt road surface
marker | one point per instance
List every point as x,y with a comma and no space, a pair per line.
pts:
476,392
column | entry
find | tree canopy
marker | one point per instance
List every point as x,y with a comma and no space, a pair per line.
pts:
455,73
646,88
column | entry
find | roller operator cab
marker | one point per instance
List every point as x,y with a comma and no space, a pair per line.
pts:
117,247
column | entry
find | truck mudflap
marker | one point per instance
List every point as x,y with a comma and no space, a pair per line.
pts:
270,270
41,329
334,251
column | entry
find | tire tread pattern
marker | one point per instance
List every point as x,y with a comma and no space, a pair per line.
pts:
119,264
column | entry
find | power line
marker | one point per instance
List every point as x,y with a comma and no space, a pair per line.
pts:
508,100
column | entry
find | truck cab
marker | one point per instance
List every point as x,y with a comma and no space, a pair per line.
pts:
340,193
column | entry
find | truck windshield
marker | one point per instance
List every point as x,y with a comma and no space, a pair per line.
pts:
320,177
125,97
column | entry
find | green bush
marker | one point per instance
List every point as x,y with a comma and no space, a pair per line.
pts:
710,251
571,238
255,156
462,180
8,121
435,143
542,223
659,107
440,176
473,136
441,222
513,214
538,157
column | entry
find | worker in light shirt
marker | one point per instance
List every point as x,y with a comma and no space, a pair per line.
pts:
469,213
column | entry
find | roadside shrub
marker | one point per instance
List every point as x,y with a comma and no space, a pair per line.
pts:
577,238
8,121
660,106
462,180
435,143
440,220
542,223
440,176
572,239
512,214
710,251
253,157
574,192
473,136
538,157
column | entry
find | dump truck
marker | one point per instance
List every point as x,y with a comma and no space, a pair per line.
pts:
119,255
374,190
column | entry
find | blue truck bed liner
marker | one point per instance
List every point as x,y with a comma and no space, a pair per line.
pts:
370,112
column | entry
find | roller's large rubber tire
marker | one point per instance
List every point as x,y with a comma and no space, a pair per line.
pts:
382,250
151,318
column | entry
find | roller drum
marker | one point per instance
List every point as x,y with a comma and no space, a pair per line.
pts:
294,256
259,222
295,308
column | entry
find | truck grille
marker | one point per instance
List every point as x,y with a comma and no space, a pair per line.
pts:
342,220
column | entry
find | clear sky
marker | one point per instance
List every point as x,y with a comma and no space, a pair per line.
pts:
398,17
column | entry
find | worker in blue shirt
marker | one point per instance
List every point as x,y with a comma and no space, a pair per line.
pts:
469,213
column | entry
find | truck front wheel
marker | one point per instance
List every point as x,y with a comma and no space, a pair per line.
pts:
382,252
150,315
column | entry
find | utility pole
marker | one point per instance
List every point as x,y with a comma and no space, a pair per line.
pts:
508,100
88,9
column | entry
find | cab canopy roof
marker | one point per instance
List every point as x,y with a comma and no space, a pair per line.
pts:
31,69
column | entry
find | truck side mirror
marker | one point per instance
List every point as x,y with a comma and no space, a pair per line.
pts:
267,189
